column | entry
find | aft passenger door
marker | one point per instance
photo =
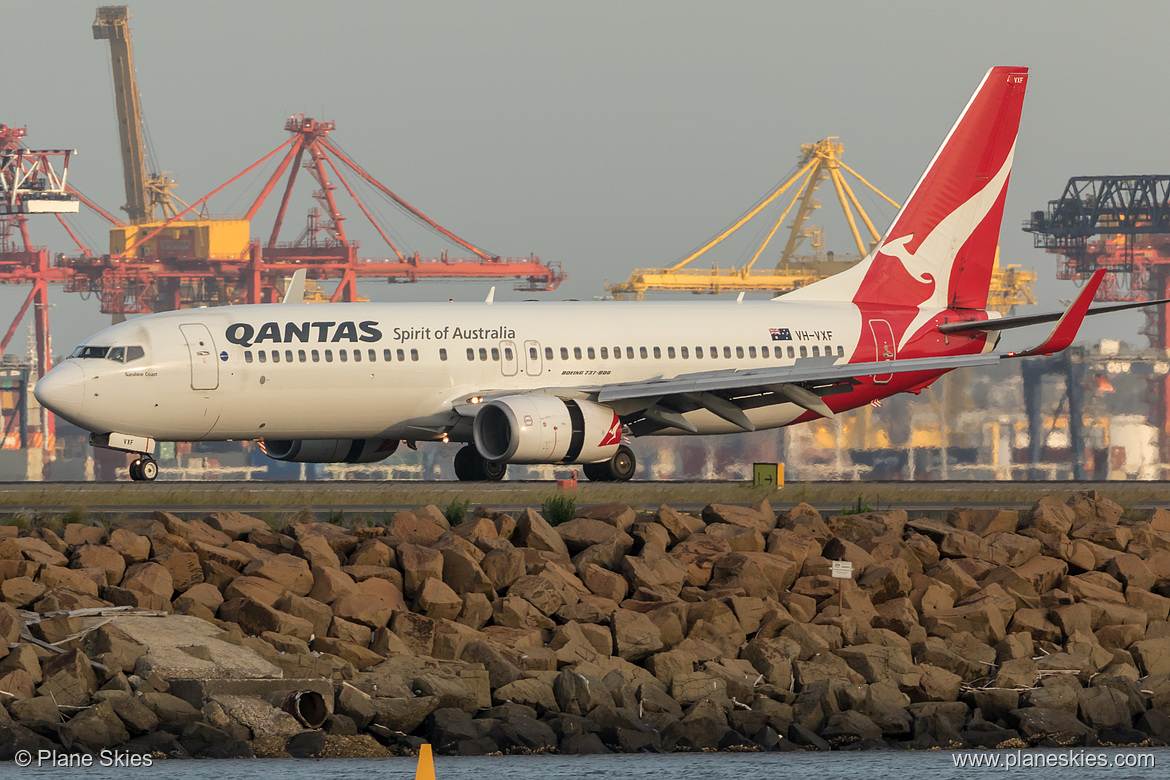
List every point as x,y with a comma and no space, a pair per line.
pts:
883,339
204,364
533,363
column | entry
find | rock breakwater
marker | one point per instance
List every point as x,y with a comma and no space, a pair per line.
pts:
616,631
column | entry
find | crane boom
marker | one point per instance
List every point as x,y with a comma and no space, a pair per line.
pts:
112,24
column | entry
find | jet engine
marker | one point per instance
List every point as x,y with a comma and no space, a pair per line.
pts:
546,429
331,450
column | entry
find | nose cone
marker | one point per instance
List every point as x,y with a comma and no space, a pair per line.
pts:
62,390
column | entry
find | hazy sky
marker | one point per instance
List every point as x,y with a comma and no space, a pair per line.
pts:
604,135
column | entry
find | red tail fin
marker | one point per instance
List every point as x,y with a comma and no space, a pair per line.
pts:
940,249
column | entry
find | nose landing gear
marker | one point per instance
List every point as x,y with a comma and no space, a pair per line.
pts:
143,469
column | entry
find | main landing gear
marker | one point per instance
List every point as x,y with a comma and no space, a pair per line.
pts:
470,466
619,468
143,469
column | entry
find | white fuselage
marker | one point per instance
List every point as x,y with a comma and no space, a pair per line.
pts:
352,370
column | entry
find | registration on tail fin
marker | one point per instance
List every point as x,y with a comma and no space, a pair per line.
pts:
940,249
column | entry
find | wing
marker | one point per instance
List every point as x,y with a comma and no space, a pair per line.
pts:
662,403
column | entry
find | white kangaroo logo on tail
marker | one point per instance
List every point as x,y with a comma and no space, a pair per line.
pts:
935,256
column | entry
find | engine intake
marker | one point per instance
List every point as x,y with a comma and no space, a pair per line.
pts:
545,429
331,450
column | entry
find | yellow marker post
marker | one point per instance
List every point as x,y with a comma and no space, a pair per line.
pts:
768,475
426,764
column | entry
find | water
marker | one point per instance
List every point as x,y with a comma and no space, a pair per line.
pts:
895,765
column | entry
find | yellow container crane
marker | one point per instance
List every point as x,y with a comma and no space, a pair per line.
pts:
818,161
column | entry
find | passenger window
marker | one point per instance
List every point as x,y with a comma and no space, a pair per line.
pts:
263,356
414,355
117,354
714,352
470,353
342,355
508,354
617,353
402,355
642,352
315,355
657,353
791,352
739,352
751,351
276,356
288,358
387,356
840,351
357,356
577,353
684,352
698,352
630,352
804,351
482,353
495,354
727,352
248,356
373,356
328,356
532,353
134,353
442,354
589,351
816,351
670,352
765,352
301,356
548,353
564,353
605,353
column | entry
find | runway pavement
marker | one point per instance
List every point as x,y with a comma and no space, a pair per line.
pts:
377,497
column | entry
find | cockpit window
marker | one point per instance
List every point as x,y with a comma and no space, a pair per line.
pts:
116,354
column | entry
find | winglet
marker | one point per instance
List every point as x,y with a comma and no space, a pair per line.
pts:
1067,326
491,296
295,292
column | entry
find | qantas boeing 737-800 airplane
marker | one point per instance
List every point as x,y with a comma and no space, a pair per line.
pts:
570,382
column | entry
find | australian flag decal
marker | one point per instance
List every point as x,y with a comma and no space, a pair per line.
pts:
780,334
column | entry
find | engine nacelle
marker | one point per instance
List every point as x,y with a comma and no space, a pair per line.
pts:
331,450
546,429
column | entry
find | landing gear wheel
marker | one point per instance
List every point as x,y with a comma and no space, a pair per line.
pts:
619,468
597,472
470,466
143,469
493,470
465,464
